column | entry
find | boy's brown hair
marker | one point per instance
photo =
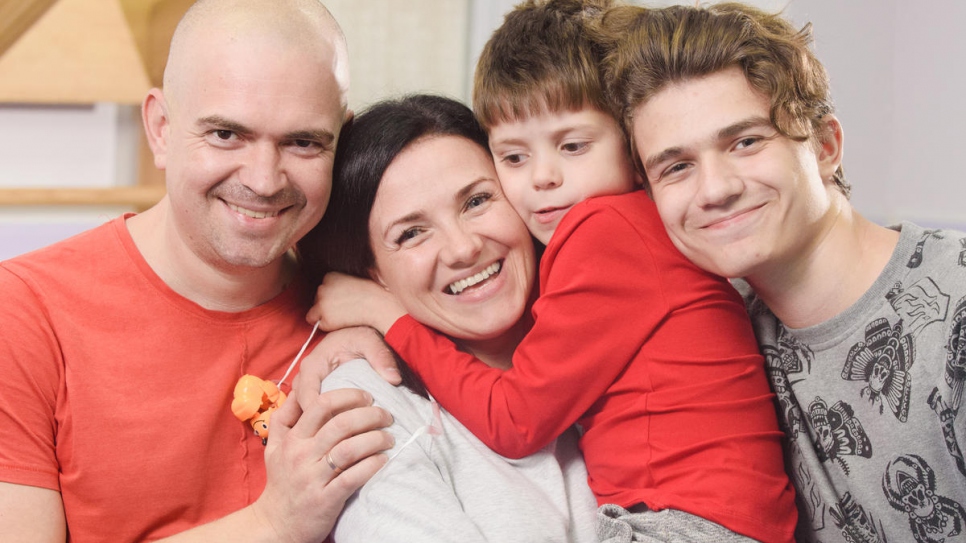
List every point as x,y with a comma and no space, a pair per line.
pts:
649,49
540,59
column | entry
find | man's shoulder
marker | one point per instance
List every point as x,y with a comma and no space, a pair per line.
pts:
64,257
67,270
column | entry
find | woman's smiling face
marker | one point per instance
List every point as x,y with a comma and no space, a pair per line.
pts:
447,243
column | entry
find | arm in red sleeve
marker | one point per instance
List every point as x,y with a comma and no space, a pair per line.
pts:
592,284
32,375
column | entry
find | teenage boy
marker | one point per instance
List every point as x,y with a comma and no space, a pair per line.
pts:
861,325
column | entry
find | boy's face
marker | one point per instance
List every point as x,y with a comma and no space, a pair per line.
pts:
737,198
549,162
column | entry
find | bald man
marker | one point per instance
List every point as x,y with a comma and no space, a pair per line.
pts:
121,346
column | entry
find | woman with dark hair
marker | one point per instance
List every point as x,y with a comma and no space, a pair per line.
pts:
417,207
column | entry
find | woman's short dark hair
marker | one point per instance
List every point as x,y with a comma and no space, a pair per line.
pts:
367,145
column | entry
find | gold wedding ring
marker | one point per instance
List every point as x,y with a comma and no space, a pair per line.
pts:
328,460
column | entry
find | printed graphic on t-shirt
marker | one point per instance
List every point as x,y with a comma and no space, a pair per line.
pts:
919,305
883,361
956,352
910,486
947,416
790,415
856,524
916,259
838,433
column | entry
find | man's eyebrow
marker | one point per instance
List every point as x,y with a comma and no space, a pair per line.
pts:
224,124
323,137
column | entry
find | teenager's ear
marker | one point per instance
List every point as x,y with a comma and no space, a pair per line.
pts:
830,141
154,114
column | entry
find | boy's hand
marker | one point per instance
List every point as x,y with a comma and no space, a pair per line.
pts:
342,301
338,347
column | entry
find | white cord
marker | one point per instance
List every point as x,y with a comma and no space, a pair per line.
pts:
298,356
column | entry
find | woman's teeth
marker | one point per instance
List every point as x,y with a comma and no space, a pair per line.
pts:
464,284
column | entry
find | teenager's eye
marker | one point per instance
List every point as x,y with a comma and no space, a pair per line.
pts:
744,143
673,170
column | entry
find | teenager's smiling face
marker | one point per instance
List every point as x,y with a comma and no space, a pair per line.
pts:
736,196
447,243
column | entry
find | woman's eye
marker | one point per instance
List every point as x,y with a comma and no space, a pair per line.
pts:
477,200
407,235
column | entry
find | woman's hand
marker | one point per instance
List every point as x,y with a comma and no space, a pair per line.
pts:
342,301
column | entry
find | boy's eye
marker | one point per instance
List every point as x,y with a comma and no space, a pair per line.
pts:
574,146
513,158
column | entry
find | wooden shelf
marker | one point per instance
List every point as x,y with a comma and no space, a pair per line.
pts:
139,197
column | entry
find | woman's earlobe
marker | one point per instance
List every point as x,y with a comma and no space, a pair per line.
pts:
377,278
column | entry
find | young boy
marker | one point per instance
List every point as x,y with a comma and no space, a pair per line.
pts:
861,325
654,358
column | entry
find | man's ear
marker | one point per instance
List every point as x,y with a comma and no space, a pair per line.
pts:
830,141
154,114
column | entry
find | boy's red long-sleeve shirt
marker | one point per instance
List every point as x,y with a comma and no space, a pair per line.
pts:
653,357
